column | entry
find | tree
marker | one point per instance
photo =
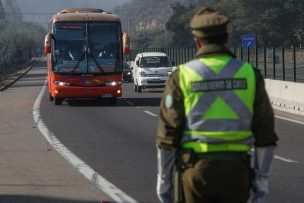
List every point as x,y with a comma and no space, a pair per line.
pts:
272,21
178,24
141,40
22,39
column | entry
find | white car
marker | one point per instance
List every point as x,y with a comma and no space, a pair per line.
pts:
150,70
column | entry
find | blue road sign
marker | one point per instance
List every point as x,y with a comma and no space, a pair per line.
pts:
248,41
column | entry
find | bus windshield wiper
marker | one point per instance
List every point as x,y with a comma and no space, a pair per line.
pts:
87,52
96,62
79,61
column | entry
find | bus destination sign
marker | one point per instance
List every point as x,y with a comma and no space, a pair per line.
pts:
71,27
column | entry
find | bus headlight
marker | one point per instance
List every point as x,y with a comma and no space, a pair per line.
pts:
113,84
60,83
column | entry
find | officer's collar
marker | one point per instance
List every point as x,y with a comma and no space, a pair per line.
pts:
213,49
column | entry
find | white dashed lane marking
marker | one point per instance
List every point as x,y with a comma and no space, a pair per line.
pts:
291,120
150,113
276,157
284,159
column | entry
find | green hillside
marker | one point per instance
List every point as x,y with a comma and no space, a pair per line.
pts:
165,23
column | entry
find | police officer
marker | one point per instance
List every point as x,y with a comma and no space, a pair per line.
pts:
213,112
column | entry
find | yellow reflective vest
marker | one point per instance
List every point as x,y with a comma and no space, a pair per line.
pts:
219,94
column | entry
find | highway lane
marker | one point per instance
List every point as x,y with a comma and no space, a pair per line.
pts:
287,178
31,171
119,143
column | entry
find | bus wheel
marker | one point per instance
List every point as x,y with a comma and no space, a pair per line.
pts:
51,98
57,101
139,89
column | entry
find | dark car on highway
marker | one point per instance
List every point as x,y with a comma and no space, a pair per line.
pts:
127,73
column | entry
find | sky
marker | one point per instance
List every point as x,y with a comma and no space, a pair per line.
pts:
40,11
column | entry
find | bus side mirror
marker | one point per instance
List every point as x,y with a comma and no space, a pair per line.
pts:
125,43
173,63
48,43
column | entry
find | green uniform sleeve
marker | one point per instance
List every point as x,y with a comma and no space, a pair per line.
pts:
263,117
172,117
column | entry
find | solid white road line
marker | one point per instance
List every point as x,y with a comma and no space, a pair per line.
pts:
291,120
107,187
284,159
281,158
150,113
294,121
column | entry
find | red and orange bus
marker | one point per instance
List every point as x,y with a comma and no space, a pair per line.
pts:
85,48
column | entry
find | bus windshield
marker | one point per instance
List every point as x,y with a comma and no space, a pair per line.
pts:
87,48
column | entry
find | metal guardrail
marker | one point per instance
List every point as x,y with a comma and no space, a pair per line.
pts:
274,63
10,63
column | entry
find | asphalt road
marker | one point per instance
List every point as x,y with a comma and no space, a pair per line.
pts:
31,171
118,142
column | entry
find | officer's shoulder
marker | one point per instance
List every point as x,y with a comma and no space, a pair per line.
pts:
175,72
173,78
191,62
258,75
256,71
249,64
177,68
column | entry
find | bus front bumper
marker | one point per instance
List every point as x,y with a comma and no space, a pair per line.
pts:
86,92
